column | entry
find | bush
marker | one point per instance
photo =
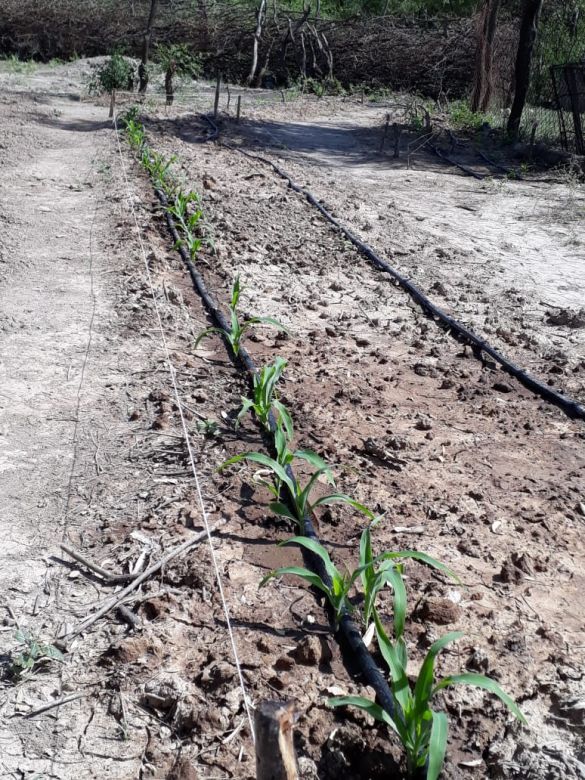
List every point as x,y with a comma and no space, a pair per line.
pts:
185,62
461,117
115,73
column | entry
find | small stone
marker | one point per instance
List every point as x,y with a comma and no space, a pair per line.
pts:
312,650
439,611
502,387
283,663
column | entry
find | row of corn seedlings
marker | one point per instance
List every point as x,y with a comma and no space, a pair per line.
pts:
421,729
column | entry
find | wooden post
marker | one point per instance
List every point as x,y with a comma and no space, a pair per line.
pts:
385,133
238,109
397,134
216,102
229,94
275,754
112,103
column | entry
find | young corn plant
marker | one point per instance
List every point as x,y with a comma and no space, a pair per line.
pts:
238,329
188,219
134,133
422,731
264,398
158,168
387,569
341,582
293,501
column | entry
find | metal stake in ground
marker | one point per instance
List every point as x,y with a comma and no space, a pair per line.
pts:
275,754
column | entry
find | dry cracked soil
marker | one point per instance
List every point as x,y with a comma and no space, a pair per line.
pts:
104,403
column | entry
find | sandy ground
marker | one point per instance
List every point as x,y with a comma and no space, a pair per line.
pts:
484,476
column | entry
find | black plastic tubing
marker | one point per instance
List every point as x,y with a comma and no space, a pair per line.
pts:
460,332
348,630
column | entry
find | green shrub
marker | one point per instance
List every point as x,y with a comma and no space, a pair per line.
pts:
115,73
461,117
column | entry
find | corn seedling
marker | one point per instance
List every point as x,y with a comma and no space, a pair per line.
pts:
158,168
188,220
341,582
387,569
134,133
298,506
238,329
32,653
263,399
422,731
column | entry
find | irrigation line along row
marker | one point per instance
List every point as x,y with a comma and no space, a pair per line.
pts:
456,329
198,490
348,629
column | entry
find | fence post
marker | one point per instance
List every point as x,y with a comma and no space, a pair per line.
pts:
238,109
112,102
275,754
216,102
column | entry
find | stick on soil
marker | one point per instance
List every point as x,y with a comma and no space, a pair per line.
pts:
275,755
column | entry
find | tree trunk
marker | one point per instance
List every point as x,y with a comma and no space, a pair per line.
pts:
142,68
257,34
528,31
483,77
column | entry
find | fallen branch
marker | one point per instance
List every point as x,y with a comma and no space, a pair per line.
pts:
121,595
52,704
111,578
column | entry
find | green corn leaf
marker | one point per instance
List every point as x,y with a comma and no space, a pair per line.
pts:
236,290
480,681
400,686
316,461
373,709
264,460
285,417
366,561
341,498
318,550
246,406
206,333
309,576
302,497
281,509
423,689
437,745
422,558
265,321
393,578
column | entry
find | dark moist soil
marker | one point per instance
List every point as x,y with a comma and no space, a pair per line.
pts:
461,461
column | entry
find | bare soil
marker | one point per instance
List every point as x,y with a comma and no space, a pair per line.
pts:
463,462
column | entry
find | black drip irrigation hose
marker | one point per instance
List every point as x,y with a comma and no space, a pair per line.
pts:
511,172
457,330
348,629
442,156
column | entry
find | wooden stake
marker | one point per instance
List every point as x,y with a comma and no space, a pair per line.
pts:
397,134
238,109
275,754
216,102
112,103
385,133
